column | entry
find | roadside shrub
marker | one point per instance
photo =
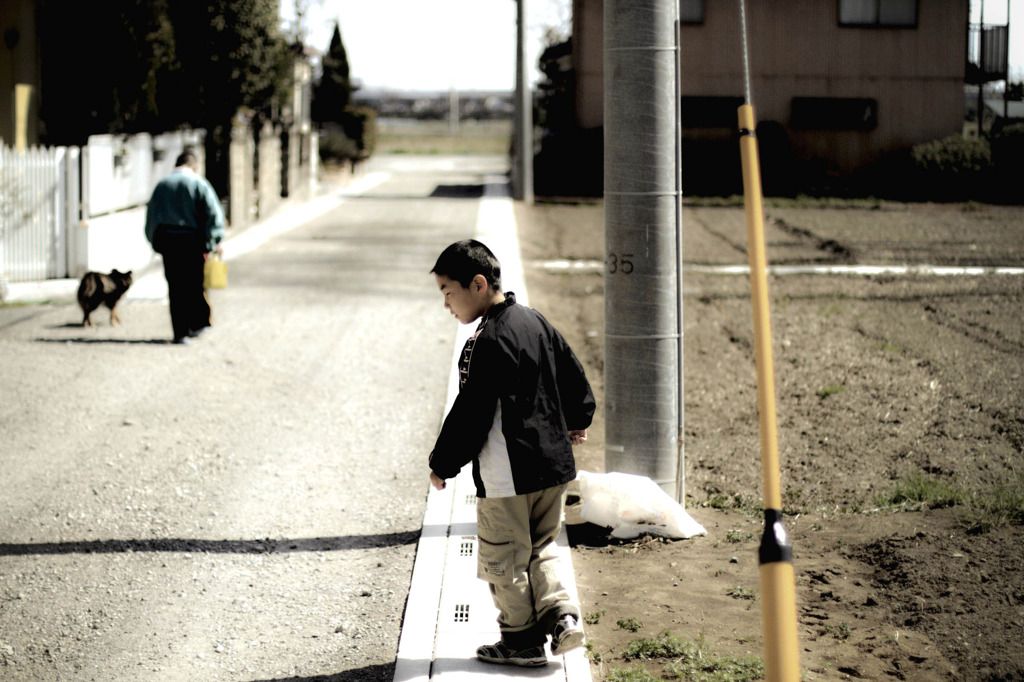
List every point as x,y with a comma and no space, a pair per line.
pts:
953,168
570,164
360,124
1008,160
890,176
337,147
352,139
955,156
779,176
712,167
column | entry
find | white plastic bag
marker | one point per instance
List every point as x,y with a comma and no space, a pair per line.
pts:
631,505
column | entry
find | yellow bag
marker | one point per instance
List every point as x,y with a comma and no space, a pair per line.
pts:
215,273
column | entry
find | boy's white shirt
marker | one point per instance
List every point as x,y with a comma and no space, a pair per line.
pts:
495,467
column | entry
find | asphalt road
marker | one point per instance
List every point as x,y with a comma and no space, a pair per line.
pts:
246,507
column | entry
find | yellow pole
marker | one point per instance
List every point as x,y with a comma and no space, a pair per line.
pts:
22,98
778,584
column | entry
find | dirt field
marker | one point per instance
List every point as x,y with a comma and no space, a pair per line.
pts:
901,431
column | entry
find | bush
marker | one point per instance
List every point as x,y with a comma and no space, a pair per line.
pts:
570,164
954,156
1008,159
360,124
352,139
337,147
953,168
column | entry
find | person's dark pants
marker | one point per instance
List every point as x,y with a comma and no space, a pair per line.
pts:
184,257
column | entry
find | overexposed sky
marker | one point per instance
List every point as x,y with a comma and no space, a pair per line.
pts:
430,44
471,44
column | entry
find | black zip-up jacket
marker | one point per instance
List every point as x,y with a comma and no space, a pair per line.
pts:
523,392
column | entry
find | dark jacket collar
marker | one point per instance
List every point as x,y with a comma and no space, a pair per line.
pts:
498,308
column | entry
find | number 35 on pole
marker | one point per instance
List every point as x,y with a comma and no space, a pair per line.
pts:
619,263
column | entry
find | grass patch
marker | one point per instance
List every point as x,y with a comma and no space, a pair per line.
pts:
918,491
1002,506
737,536
829,390
665,645
633,674
456,145
435,137
690,661
631,624
830,310
593,618
1011,427
719,500
725,669
841,631
741,592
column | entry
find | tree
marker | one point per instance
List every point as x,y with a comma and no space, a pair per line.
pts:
230,55
126,66
100,65
333,92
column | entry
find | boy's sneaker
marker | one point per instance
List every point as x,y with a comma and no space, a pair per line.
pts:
502,655
566,635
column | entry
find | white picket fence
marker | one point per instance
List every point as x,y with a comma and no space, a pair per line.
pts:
39,201
65,210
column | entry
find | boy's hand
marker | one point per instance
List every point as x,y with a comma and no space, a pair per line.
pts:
436,481
577,437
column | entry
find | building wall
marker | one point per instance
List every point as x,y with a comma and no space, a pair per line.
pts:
798,49
588,60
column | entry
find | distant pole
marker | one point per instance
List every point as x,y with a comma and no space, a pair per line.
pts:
522,174
981,72
453,110
1006,68
641,200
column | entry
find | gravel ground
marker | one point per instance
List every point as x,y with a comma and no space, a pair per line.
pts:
246,507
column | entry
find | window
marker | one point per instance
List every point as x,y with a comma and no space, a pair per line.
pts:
691,11
833,113
901,13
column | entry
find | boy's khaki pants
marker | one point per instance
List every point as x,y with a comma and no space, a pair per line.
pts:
516,557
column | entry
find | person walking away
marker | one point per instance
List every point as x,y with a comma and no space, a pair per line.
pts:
184,224
523,402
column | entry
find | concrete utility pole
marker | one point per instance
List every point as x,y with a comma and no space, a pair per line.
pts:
522,174
642,202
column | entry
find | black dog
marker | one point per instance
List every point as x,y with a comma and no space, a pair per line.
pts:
97,288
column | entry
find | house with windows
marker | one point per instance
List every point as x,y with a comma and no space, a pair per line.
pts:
836,84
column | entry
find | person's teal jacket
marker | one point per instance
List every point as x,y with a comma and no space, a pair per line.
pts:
185,203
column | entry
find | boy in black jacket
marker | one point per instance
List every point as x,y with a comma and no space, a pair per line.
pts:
523,402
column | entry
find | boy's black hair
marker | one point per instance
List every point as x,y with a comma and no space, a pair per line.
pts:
464,260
